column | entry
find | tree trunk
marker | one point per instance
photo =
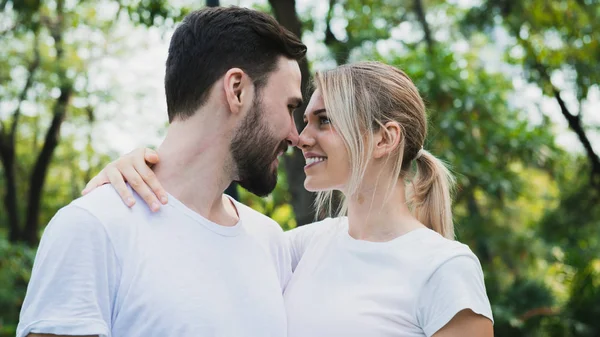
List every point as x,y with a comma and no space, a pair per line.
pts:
7,156
420,10
38,176
212,3
40,169
8,141
302,200
339,49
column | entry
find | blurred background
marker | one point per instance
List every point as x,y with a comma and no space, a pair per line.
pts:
512,88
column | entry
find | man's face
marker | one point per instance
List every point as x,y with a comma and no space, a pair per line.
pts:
267,129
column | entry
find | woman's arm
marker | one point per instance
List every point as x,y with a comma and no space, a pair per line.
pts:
466,323
454,301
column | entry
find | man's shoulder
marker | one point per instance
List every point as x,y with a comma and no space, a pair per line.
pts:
255,220
117,219
105,204
73,220
102,196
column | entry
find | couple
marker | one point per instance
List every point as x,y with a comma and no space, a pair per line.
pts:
206,265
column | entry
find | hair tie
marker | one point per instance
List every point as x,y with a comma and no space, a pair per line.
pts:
419,154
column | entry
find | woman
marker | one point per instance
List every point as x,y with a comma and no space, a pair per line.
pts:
387,265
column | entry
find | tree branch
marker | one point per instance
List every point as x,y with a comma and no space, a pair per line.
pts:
339,49
329,37
420,10
542,311
575,125
7,30
23,95
573,120
38,175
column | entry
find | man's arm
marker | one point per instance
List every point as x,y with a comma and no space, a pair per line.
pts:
73,281
47,335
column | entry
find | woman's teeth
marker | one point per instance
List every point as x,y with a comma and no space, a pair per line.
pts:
313,160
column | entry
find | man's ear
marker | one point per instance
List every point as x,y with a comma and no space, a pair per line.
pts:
238,89
387,139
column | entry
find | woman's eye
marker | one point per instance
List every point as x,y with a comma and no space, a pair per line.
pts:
324,120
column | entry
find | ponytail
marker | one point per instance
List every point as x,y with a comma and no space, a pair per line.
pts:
430,194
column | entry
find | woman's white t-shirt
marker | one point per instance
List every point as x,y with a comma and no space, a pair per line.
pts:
410,286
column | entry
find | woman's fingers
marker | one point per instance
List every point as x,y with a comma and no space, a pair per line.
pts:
99,180
117,178
151,181
135,169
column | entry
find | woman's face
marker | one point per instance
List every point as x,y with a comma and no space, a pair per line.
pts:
327,161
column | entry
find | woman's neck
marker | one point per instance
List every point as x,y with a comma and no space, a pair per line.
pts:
375,216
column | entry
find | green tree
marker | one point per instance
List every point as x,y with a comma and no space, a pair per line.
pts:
53,90
552,38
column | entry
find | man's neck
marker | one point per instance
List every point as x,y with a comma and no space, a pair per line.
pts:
195,168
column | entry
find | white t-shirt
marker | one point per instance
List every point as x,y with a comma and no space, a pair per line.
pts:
104,269
410,286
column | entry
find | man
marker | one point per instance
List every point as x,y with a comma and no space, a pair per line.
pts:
204,265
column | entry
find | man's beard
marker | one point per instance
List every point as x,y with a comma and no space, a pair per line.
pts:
252,151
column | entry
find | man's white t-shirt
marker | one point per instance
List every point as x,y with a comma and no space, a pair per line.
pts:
410,286
104,269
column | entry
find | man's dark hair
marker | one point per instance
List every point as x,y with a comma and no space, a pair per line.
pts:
213,40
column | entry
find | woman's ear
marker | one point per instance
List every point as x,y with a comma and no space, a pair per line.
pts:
387,139
237,86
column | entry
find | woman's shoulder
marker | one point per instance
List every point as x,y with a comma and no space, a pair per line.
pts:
432,240
434,250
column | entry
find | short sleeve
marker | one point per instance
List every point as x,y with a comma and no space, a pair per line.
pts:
74,278
456,285
300,237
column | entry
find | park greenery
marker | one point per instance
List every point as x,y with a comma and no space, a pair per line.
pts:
527,205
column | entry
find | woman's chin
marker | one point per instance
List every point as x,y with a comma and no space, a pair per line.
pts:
309,187
313,186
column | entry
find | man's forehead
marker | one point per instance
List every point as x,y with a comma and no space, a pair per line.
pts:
287,71
286,79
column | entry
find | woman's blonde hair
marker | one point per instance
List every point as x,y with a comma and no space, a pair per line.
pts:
360,98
